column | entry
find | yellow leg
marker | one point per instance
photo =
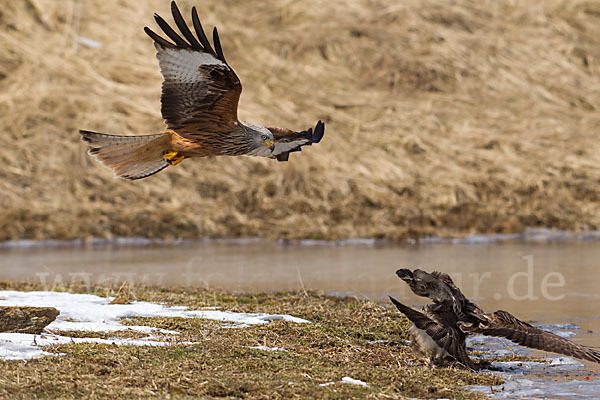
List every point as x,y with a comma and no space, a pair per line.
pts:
173,158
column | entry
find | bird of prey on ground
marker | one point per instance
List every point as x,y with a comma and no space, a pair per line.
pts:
440,332
199,102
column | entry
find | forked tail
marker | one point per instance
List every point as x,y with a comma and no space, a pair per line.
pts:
130,157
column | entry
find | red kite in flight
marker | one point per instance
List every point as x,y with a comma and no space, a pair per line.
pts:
199,102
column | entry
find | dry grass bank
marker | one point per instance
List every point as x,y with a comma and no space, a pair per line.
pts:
447,117
347,337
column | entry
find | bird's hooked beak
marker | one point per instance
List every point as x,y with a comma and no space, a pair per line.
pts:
270,145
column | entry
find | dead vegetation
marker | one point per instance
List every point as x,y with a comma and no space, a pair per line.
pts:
347,337
443,117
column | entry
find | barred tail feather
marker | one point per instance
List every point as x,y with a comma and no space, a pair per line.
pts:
130,157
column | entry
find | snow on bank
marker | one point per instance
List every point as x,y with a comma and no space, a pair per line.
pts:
524,381
22,346
85,312
347,379
266,348
351,381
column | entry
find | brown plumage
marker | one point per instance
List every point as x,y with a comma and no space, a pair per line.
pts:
441,331
199,102
436,336
504,324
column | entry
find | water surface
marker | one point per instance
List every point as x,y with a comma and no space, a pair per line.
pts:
541,282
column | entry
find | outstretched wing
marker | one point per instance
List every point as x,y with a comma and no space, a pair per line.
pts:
443,336
200,91
503,324
288,141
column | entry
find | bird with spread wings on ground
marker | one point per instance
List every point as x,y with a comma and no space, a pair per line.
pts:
199,102
440,332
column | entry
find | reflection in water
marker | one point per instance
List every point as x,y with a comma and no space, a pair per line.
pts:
546,283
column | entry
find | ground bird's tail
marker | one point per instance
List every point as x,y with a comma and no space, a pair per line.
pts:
130,157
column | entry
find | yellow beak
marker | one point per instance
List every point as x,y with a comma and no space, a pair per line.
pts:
270,145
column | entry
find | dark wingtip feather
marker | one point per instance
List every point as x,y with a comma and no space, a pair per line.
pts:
319,132
218,47
395,302
283,156
188,40
180,22
403,309
166,28
200,32
157,39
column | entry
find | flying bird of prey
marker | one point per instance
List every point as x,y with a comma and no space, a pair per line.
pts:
440,332
199,102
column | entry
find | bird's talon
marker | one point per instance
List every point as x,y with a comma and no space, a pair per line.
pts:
169,154
176,160
173,158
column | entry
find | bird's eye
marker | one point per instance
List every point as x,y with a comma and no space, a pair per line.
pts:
264,137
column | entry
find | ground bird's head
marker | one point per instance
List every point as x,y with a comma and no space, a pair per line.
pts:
426,285
260,136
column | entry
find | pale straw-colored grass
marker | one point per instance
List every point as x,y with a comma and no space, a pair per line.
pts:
447,117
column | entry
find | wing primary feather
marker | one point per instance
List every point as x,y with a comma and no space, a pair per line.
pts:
200,32
217,43
170,32
319,132
159,40
504,324
179,21
416,317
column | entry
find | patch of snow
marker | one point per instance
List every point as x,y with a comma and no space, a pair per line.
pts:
346,379
547,365
378,341
22,346
524,388
89,312
85,312
351,381
563,361
265,348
